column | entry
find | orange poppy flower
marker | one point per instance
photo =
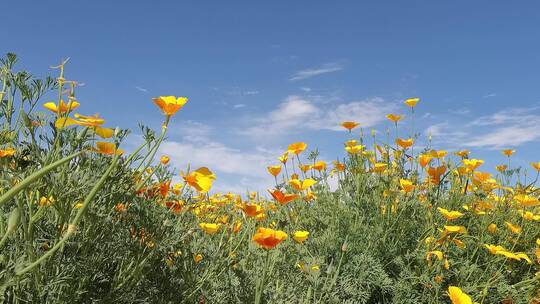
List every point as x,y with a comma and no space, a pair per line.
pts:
349,125
281,197
170,104
269,238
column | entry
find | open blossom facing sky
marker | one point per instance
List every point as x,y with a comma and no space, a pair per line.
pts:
258,79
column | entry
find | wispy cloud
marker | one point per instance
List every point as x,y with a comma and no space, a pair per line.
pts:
141,89
503,129
324,69
296,110
239,105
489,95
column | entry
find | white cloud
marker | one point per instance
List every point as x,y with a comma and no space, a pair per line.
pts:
141,89
297,111
503,129
489,95
308,73
239,105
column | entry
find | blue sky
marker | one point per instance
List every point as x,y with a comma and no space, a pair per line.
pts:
262,75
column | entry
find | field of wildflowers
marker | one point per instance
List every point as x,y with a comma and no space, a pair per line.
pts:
82,221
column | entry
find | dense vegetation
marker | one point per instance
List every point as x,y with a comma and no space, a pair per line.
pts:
81,221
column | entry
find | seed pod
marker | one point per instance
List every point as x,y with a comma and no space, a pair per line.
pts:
13,220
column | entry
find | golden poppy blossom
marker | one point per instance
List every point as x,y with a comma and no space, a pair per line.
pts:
252,210
513,228
7,152
300,236
107,148
354,149
302,185
281,197
492,228
274,170
406,185
404,143
536,166
457,296
411,102
349,125
164,160
197,257
462,153
424,160
527,200
269,238
450,215
210,228
508,152
297,147
169,105
62,107
283,158
501,168
200,179
305,168
472,164
394,117
319,166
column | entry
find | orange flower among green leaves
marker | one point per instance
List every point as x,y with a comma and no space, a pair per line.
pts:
107,148
269,238
170,104
7,152
302,185
281,197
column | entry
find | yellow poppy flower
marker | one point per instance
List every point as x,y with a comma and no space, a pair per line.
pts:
527,200
7,152
354,149
62,107
210,228
457,296
536,166
404,143
304,168
197,257
472,164
501,168
297,147
513,228
450,215
406,185
274,170
283,158
411,102
200,179
492,228
164,160
104,132
302,185
170,104
394,117
462,153
300,236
